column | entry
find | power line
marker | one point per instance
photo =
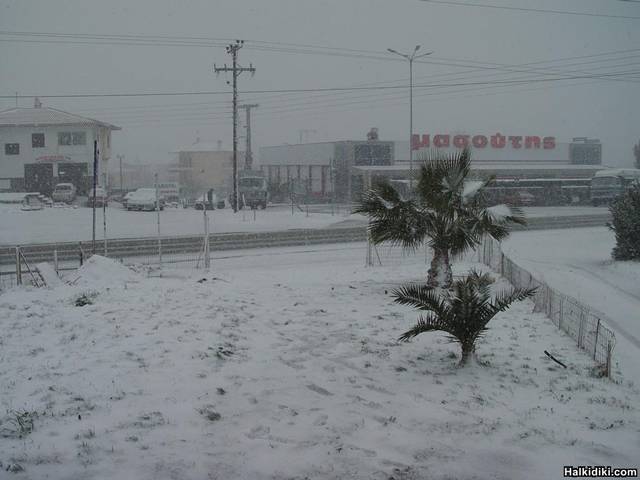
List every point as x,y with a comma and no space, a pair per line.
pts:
326,89
276,97
531,10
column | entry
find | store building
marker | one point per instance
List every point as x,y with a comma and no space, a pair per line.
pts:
343,168
323,171
41,146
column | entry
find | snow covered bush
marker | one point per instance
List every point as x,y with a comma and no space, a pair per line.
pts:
463,312
447,210
625,211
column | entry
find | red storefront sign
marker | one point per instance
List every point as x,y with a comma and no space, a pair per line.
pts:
482,141
53,158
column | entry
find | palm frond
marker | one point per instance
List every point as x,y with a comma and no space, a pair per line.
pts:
421,297
426,323
504,299
391,218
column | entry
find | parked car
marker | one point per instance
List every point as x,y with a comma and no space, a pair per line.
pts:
101,198
209,201
64,192
126,197
144,199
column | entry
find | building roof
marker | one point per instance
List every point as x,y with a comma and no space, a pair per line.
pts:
402,166
202,147
46,116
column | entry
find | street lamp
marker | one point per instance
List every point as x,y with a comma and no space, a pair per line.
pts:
411,58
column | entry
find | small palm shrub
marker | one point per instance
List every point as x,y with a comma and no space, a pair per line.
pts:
625,211
463,312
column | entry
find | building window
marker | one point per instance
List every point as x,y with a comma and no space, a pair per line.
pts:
72,138
79,138
37,140
12,149
64,138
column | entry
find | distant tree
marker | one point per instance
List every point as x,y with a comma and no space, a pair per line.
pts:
463,313
448,211
636,153
625,211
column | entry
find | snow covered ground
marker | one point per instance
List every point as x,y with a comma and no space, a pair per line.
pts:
74,224
284,364
578,263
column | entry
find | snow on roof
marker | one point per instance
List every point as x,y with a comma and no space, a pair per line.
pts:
487,166
45,116
619,172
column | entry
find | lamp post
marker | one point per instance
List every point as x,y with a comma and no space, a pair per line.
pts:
411,58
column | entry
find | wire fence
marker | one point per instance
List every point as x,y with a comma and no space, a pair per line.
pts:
582,323
391,255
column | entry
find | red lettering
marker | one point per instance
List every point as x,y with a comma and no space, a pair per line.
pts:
516,142
479,141
417,143
498,141
531,142
461,141
441,141
549,143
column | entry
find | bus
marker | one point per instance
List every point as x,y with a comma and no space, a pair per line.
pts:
608,184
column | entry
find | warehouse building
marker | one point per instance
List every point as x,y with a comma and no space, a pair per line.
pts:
340,170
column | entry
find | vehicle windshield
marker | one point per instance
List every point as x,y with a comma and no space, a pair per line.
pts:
63,187
605,181
251,182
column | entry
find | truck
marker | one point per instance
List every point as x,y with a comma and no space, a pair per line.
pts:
608,184
252,190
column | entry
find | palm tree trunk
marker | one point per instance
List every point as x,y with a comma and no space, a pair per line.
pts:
468,352
439,275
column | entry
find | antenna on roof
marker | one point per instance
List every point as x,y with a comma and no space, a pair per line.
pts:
37,103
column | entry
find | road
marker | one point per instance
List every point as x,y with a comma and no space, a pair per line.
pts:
578,263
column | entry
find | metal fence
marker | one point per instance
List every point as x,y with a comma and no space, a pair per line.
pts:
582,323
187,251
390,255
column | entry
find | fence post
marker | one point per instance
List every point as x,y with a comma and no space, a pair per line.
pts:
608,365
81,253
595,343
501,263
207,257
561,312
55,261
18,267
581,329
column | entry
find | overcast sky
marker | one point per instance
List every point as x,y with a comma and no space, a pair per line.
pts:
472,38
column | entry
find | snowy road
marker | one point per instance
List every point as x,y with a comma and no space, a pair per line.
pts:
75,224
578,263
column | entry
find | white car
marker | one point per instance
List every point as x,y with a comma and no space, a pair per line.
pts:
144,199
64,192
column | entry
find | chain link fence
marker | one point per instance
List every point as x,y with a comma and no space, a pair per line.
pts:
582,323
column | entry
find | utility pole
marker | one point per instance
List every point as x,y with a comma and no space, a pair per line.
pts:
248,155
121,157
233,49
95,184
411,58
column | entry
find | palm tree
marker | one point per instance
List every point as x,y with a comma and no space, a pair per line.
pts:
447,210
463,312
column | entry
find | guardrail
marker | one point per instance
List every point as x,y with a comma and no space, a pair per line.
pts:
192,244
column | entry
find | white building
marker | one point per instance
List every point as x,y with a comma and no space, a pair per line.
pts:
42,146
